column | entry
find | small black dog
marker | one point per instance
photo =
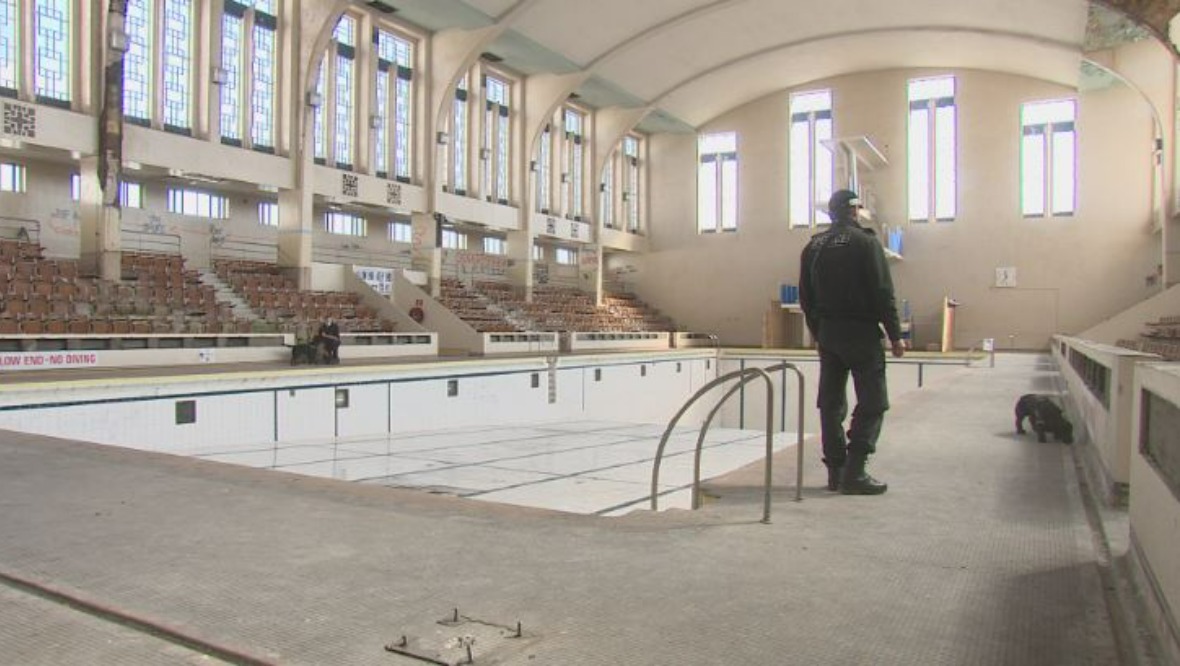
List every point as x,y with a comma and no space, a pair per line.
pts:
308,353
1044,416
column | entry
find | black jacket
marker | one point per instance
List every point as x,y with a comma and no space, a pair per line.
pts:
843,275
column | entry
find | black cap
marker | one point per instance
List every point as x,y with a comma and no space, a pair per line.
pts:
842,200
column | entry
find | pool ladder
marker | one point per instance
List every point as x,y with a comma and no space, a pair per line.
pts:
743,377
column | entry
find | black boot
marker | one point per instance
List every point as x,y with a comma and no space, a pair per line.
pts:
834,473
856,481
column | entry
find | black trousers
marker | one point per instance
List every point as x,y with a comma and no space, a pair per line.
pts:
851,348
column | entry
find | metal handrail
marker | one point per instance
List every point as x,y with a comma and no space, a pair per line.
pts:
746,375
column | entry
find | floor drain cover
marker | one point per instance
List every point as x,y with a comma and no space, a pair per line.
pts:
458,639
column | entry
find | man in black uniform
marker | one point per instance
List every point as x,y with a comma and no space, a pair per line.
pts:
846,294
329,336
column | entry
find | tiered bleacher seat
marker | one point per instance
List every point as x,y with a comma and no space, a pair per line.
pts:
279,301
39,295
570,309
160,291
473,308
156,294
1160,337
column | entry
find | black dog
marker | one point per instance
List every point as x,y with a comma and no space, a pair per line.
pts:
308,353
1044,416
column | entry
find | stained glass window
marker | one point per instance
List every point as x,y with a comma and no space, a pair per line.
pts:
631,192
497,137
178,39
137,62
265,67
232,26
345,36
392,83
9,51
52,21
319,142
459,130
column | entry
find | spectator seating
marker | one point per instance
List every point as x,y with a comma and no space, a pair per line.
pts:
475,308
49,296
1160,337
157,293
279,302
485,303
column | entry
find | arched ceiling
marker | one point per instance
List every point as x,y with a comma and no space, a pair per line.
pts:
695,59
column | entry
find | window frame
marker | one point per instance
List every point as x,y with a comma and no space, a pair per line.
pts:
343,223
810,117
14,178
719,183
1051,164
934,180
396,228
197,203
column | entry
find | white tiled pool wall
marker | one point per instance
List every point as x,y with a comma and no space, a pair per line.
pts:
247,409
315,406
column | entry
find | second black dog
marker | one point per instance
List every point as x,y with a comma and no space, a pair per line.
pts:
307,353
1044,416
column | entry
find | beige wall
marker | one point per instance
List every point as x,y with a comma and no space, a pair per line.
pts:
1072,272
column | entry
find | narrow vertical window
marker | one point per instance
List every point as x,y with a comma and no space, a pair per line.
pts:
384,109
232,41
319,139
268,213
392,87
572,178
345,38
496,139
606,194
264,76
1048,166
137,62
717,182
631,191
9,53
544,170
812,170
52,61
381,111
402,109
932,147
459,130
178,38
12,177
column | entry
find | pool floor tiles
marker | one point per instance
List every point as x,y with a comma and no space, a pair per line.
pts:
587,467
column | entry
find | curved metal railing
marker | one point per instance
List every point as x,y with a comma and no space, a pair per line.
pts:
746,375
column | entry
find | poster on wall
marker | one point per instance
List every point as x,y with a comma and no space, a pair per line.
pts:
380,279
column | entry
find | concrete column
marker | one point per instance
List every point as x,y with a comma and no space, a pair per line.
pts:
295,229
101,218
98,225
426,251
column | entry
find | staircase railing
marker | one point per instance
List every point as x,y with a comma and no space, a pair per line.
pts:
743,376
